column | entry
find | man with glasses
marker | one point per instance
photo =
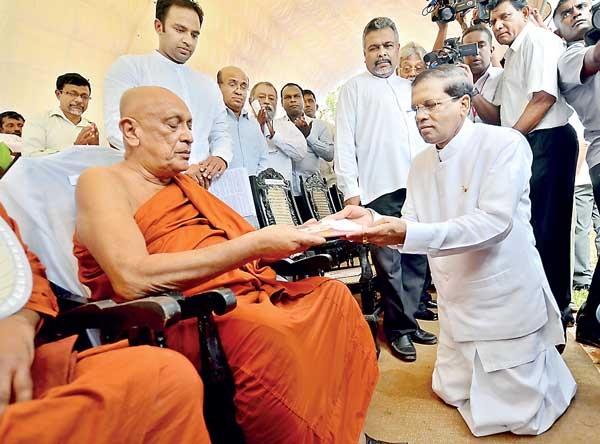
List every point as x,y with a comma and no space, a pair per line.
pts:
61,128
579,74
468,209
250,149
411,61
376,138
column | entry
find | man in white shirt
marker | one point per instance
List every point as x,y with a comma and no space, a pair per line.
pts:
579,73
177,25
486,77
249,146
310,109
318,135
376,138
468,208
286,143
529,101
61,128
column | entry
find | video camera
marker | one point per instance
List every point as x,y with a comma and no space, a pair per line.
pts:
593,35
452,53
445,10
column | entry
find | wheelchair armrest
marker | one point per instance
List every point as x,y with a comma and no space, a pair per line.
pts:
305,266
218,301
155,313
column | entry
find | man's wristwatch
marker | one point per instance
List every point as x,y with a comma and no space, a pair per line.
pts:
476,92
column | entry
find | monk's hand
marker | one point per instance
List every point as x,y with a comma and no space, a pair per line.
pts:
358,215
385,231
352,201
212,167
279,241
17,333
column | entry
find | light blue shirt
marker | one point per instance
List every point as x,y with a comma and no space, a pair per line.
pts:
250,148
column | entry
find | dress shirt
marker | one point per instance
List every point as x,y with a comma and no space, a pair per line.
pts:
287,145
376,136
249,145
584,97
487,85
468,209
198,91
532,66
320,143
51,132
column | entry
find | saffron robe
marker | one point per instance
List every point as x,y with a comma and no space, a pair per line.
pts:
110,394
301,354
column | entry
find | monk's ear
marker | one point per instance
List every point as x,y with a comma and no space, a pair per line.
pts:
129,128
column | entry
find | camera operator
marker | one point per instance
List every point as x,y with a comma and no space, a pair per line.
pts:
579,81
485,77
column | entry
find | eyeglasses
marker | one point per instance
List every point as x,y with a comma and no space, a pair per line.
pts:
412,69
74,95
432,106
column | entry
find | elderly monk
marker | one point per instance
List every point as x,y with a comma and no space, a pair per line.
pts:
72,397
301,354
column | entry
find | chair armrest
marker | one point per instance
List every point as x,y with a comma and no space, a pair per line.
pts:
218,301
156,313
305,266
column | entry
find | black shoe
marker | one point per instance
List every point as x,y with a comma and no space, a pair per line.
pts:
370,440
426,315
431,304
403,348
587,330
421,336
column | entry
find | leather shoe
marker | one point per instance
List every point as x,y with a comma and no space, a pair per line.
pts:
421,336
426,315
403,348
431,304
370,440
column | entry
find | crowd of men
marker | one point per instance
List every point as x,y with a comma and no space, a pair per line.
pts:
463,175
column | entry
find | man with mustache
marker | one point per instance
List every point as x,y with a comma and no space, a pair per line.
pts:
64,127
11,122
579,68
249,145
529,100
468,209
376,138
177,25
286,143
318,135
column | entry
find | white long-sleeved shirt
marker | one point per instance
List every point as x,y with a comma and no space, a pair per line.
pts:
376,136
320,144
50,132
287,145
487,85
468,209
200,93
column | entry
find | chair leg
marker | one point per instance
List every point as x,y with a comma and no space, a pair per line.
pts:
219,387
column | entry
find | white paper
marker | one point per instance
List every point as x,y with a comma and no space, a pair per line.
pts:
233,188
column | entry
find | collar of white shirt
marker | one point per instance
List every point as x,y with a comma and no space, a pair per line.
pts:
244,113
158,56
58,112
516,44
457,142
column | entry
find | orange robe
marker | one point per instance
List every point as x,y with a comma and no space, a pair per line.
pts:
301,354
111,394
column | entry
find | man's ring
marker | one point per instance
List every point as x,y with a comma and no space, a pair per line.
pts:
364,239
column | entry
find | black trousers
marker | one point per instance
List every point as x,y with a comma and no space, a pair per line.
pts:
401,277
552,192
593,300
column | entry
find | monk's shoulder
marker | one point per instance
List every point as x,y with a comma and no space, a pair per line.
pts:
98,182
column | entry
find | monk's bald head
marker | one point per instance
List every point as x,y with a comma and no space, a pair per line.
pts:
233,83
144,101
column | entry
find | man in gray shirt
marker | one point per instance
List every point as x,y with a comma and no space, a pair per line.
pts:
579,81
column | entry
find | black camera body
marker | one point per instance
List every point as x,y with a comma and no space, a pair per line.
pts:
593,35
452,53
445,10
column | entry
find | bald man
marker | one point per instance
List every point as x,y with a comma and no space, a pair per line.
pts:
250,148
297,351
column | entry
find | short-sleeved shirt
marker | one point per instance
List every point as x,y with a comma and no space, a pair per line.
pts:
531,66
584,97
487,85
